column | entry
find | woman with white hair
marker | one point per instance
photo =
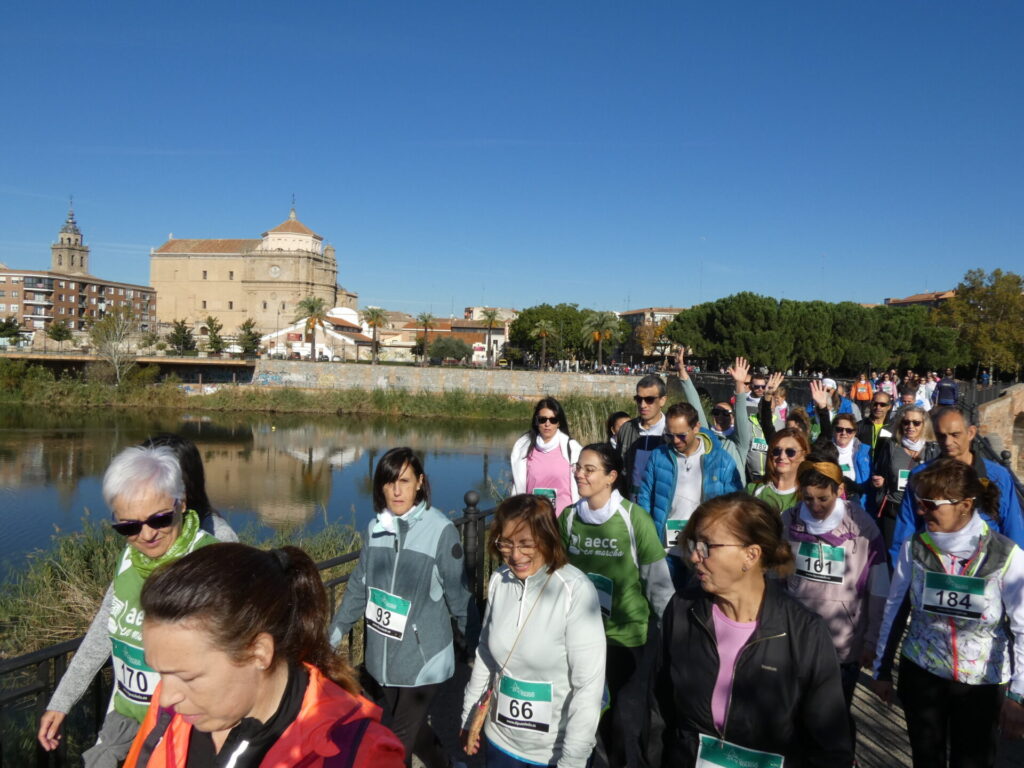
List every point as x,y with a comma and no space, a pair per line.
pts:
145,491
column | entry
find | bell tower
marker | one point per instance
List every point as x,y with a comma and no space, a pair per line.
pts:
68,255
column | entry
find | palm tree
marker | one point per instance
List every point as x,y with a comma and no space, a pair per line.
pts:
543,330
428,321
599,327
313,310
375,318
490,317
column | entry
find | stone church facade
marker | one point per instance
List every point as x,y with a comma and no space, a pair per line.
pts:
237,279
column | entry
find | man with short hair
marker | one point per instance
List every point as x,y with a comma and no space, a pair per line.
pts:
758,452
947,391
955,436
640,436
687,470
874,425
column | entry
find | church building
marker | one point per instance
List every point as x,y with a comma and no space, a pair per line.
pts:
237,279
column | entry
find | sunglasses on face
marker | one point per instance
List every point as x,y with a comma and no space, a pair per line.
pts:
844,430
790,452
879,404
649,399
720,413
912,422
930,505
155,521
547,419
758,386
671,437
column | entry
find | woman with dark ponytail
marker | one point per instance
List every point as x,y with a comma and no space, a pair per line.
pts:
238,636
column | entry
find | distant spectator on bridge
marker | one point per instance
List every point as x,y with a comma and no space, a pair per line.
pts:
947,392
640,436
955,436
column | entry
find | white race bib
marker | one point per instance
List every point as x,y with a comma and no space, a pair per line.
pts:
760,445
820,562
387,614
902,482
672,530
605,588
135,680
524,705
719,753
960,596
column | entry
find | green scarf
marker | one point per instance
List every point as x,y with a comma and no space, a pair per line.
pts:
145,565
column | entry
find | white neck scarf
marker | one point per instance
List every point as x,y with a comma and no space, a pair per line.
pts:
601,515
829,524
547,447
913,445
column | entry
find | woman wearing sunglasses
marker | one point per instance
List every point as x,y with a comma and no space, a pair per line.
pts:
786,451
540,663
542,459
895,458
746,669
854,456
145,491
957,587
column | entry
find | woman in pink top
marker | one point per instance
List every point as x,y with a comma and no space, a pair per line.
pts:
747,673
542,459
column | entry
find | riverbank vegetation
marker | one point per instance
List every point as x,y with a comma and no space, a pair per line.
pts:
24,383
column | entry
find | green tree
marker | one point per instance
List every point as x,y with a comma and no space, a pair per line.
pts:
449,348
214,341
600,328
110,336
566,319
490,318
428,322
10,328
543,330
313,310
376,318
248,337
988,315
58,331
180,339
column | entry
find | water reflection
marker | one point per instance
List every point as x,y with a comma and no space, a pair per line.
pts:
268,470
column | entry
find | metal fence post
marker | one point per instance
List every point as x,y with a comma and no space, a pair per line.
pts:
471,543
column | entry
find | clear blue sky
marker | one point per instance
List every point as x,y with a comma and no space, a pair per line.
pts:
509,153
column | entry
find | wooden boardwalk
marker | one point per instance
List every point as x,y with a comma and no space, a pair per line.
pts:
881,731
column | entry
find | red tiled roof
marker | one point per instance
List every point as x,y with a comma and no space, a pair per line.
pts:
340,324
212,245
293,226
920,297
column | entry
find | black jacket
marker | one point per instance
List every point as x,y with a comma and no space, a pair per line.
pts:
787,697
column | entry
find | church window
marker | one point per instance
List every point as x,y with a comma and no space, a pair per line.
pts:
282,305
264,305
204,304
231,275
231,305
204,274
60,261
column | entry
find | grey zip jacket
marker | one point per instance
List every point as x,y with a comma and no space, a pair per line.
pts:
411,583
561,651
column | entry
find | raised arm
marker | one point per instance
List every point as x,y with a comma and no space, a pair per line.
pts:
690,391
739,371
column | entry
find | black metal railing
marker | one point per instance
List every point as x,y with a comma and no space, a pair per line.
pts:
27,682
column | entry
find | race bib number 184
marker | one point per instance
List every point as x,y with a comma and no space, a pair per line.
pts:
959,596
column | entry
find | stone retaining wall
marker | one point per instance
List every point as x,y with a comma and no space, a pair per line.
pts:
998,419
520,384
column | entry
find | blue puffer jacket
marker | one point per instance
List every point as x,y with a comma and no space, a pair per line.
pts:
719,476
862,471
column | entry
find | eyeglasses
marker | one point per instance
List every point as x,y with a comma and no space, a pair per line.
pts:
790,452
758,386
671,437
703,548
155,521
912,422
579,469
930,505
507,547
547,420
649,399
720,412
879,404
844,430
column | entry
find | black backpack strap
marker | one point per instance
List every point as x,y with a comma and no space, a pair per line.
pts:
163,720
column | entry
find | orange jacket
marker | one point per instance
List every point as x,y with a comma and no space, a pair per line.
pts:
862,390
331,723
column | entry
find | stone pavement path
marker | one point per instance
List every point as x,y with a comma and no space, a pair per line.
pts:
881,731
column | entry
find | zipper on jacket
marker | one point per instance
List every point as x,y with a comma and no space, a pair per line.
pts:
394,575
419,644
736,665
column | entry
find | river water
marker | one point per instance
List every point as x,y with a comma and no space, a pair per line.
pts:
267,471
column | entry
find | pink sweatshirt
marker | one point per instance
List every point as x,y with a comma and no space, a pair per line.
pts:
732,636
550,470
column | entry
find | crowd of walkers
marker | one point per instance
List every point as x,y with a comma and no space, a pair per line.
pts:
692,591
